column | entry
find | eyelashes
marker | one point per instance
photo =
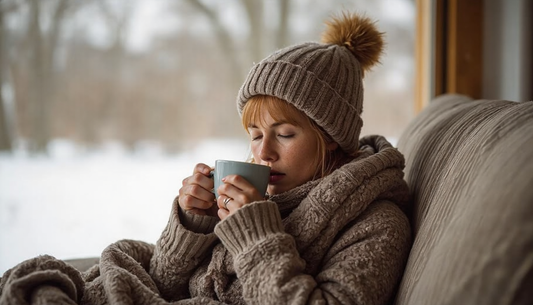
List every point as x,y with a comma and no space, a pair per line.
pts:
284,136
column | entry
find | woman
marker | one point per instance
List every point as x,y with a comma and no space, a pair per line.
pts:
330,230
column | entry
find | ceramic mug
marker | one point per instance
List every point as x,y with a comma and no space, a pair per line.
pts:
257,174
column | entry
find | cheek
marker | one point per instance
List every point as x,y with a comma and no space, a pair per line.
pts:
309,155
302,155
255,149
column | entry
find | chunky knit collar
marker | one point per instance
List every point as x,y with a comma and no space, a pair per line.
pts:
289,200
383,155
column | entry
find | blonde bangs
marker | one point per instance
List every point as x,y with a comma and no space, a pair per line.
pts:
278,109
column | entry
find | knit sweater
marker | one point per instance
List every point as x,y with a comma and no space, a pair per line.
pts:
341,239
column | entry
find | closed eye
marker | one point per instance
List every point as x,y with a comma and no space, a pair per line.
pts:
288,136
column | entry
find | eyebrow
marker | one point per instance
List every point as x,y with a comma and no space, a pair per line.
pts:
275,124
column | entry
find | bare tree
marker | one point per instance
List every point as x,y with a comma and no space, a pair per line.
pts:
5,136
223,37
111,113
254,12
178,90
41,81
257,42
282,37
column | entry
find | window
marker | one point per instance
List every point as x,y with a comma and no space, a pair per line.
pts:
108,104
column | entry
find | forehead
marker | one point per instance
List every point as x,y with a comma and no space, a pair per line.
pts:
265,110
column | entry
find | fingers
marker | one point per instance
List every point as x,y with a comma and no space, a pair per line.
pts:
199,179
223,213
223,202
202,168
237,188
196,195
227,206
234,193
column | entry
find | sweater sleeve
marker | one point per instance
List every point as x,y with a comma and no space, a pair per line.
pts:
180,250
362,266
41,280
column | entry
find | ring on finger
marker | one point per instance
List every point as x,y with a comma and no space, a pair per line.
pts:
226,202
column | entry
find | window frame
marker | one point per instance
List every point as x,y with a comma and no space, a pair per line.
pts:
449,49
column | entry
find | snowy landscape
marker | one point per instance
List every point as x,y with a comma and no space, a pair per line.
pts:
73,203
127,71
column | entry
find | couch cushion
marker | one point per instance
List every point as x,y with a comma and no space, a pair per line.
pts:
470,170
83,264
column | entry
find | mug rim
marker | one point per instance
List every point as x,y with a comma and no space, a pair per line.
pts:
235,161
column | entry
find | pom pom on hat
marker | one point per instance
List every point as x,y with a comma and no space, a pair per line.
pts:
359,35
323,80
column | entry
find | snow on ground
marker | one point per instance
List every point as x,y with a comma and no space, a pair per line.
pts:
73,204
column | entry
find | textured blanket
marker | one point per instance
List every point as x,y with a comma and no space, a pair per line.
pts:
342,239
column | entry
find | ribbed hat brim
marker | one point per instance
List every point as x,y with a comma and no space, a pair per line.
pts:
310,94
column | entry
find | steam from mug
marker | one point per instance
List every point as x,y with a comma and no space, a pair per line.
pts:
257,174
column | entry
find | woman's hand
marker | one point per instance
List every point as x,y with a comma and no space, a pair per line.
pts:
196,194
234,193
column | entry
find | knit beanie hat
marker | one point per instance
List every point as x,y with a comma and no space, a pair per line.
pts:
324,80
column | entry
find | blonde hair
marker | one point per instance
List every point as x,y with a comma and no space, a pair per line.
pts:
326,160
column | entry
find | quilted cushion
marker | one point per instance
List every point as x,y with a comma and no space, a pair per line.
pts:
470,170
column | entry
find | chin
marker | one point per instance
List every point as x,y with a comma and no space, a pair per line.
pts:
275,190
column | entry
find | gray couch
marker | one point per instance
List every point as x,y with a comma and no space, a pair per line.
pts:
469,164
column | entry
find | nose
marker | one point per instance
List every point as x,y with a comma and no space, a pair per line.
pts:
268,151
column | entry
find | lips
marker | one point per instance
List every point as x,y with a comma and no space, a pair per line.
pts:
275,176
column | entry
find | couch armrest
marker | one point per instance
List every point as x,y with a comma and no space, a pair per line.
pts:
469,166
83,264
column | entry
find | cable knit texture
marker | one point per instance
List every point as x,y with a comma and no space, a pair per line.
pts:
342,239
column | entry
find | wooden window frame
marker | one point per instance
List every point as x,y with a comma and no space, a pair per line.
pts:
449,49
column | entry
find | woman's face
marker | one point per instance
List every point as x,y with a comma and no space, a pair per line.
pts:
291,151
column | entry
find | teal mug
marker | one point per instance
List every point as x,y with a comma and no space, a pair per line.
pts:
256,174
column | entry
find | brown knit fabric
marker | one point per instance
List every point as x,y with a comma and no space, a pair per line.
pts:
344,240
